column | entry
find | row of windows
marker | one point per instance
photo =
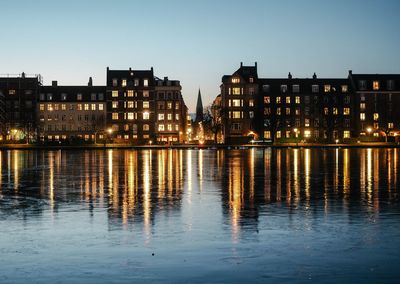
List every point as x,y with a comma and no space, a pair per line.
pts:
161,116
288,111
306,134
168,127
297,99
55,107
375,116
79,97
168,96
130,115
124,82
13,92
314,88
56,117
240,114
129,93
161,105
239,91
376,85
236,80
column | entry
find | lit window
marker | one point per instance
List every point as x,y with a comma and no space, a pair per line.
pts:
177,105
362,105
267,100
11,92
78,97
307,133
251,114
288,100
100,106
145,82
50,107
335,111
130,116
114,94
126,136
146,127
146,115
145,94
278,134
145,104
177,116
362,116
161,127
63,106
115,115
327,88
235,80
376,116
346,111
160,116
278,111
267,134
93,107
326,111
346,134
136,82
169,105
169,126
176,127
79,106
41,107
236,91
297,100
344,88
130,93
307,122
114,104
169,116
123,84
236,114
235,103
278,100
251,103
390,125
287,111
86,106
375,85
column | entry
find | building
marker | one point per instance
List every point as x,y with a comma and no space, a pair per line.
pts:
171,112
18,96
71,113
309,109
131,105
377,102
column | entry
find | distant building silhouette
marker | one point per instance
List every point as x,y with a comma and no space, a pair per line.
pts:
199,108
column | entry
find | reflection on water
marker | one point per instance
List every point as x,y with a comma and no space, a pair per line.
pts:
235,193
140,183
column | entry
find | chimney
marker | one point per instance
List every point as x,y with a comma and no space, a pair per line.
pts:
54,83
290,76
90,83
151,69
23,75
350,72
241,64
314,76
130,69
255,64
165,78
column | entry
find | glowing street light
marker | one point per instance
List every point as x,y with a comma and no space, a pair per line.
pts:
369,129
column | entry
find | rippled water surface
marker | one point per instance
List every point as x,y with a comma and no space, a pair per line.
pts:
273,215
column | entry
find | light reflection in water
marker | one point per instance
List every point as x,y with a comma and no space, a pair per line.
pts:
134,186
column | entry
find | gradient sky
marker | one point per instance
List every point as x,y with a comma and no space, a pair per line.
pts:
197,42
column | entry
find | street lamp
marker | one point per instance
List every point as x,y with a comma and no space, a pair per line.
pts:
369,129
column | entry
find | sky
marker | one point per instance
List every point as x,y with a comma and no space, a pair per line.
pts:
197,42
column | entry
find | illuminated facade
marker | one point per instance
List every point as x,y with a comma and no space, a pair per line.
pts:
67,113
312,109
171,111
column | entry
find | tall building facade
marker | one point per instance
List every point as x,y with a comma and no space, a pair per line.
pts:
311,109
18,97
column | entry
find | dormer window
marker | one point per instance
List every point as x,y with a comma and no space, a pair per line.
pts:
390,85
327,88
362,85
375,85
235,80
344,89
315,88
115,82
283,88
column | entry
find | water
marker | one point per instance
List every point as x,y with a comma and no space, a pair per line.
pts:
273,215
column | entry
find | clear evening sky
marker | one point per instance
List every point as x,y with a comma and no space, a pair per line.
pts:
197,42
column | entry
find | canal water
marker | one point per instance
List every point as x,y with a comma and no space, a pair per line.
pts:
195,216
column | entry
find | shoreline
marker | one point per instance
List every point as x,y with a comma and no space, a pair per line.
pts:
195,146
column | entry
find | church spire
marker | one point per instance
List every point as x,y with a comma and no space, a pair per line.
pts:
199,108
